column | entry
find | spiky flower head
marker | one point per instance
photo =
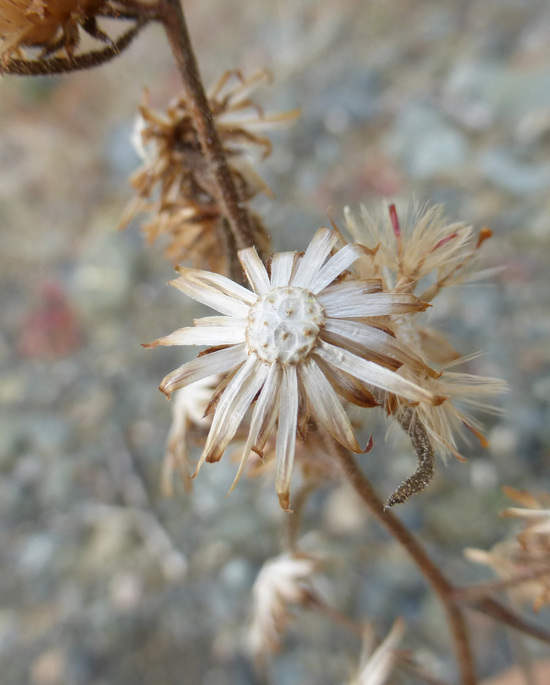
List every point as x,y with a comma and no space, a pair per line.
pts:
305,333
176,184
418,251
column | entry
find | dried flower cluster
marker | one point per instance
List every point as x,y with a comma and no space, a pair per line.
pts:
525,557
420,253
176,183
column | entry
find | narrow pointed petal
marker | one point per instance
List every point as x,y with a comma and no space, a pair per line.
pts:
230,321
334,267
281,268
377,304
220,283
362,286
232,407
316,253
286,434
347,386
265,406
254,270
363,340
211,297
272,411
374,374
326,405
219,361
203,335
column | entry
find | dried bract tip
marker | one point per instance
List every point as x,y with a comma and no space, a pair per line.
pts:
377,663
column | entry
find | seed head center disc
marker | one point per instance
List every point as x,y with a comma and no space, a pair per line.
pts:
283,325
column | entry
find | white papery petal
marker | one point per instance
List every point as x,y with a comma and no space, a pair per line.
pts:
334,267
316,253
335,293
286,434
221,283
204,335
211,297
265,408
254,270
377,304
219,361
232,407
360,338
374,374
326,405
281,268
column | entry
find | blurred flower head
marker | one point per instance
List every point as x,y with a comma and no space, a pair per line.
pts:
283,583
176,184
527,554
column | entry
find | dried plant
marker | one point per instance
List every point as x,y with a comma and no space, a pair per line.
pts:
316,333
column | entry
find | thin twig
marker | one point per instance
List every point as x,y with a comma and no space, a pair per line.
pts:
235,210
481,590
504,614
431,572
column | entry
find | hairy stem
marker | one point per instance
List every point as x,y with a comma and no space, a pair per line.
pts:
439,583
173,19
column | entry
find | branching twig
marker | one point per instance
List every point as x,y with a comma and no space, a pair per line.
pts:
503,614
431,572
64,65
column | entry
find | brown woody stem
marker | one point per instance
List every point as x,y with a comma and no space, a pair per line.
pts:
439,583
173,19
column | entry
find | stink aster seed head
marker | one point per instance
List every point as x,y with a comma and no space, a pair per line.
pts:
283,325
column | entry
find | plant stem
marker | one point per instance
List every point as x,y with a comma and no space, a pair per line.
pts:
441,586
173,19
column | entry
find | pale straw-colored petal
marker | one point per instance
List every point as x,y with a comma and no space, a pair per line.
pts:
377,304
254,270
203,335
286,434
281,268
229,321
271,414
347,386
232,407
326,405
221,283
219,361
334,294
335,266
316,253
362,339
265,408
374,374
211,297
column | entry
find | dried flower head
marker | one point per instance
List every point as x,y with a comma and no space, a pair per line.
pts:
283,583
526,557
305,333
176,184
418,252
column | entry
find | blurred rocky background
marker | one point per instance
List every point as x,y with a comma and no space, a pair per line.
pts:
104,581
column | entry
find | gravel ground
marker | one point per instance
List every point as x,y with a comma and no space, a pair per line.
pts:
103,581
